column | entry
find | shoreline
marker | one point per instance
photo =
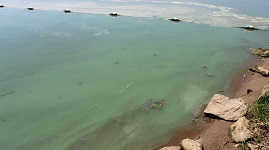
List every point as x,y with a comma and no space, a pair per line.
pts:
200,126
214,133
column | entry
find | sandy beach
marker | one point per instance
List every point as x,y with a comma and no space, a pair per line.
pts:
214,133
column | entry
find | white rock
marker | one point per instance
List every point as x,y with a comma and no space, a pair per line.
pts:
249,27
240,130
265,91
171,148
225,108
266,72
238,145
189,144
252,146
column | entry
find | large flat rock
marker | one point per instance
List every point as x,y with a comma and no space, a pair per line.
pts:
226,108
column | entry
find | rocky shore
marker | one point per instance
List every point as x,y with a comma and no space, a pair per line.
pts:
227,123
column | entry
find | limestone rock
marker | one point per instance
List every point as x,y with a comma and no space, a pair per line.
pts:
265,91
261,52
225,108
238,146
189,144
260,70
240,130
252,146
171,148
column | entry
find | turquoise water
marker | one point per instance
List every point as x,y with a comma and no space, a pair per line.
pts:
80,81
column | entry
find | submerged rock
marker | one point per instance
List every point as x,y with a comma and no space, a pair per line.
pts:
240,130
225,108
189,144
171,148
260,70
156,104
261,52
210,75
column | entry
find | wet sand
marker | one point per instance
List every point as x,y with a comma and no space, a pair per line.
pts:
214,134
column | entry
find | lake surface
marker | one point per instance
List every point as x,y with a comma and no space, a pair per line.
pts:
83,81
224,13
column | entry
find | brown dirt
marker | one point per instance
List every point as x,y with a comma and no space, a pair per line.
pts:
215,135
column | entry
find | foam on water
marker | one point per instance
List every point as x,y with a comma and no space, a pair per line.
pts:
189,11
80,81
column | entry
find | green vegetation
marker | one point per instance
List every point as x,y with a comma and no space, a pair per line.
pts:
259,110
244,145
258,114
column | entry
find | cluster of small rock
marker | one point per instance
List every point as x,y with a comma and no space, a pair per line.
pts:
155,104
223,107
234,110
258,129
264,53
228,109
231,110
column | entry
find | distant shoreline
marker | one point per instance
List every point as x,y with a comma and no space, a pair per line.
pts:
189,12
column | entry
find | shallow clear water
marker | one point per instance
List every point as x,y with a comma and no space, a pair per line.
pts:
80,81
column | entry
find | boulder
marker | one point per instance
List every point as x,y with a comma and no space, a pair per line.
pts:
30,8
171,148
189,144
240,130
249,28
225,108
174,19
67,11
261,52
114,14
260,70
264,92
